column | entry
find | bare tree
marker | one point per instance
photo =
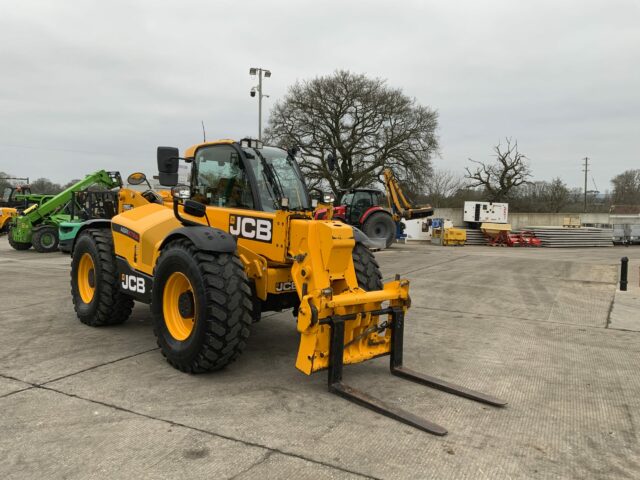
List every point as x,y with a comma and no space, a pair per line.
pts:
528,197
364,123
69,183
626,188
509,171
441,185
3,182
555,196
45,186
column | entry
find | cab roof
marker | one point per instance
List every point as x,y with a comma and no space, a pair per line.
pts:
191,151
361,189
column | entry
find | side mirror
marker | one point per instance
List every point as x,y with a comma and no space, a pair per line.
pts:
293,152
331,162
168,166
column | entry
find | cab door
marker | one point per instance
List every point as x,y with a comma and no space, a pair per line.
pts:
360,203
221,178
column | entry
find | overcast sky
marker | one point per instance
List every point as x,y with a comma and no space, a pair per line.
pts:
99,84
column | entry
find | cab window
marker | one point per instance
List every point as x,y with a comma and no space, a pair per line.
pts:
346,199
378,198
360,203
221,178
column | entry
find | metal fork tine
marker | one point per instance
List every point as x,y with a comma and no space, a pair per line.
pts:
380,407
446,386
336,352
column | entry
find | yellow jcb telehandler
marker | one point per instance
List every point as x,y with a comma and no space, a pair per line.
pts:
239,240
6,214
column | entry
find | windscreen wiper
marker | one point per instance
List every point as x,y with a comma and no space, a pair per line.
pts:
270,174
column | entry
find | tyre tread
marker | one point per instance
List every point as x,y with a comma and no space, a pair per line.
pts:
384,217
17,245
114,307
229,309
367,268
37,237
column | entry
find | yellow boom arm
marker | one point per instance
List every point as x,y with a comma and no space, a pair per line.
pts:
398,203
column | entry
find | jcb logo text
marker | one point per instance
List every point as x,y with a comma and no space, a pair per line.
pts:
133,283
251,228
285,286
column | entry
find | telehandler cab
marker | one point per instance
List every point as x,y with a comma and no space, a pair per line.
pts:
14,200
240,239
20,197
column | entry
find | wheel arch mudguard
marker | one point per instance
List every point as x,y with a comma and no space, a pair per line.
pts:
208,239
94,223
360,237
371,211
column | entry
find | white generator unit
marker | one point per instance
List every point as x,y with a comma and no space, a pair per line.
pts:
416,230
486,212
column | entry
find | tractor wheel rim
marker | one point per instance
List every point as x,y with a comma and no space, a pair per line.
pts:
86,278
178,306
380,230
47,240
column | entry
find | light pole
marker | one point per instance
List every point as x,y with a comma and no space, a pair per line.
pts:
258,88
586,172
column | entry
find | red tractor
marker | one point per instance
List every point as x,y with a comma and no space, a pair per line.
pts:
363,208
375,212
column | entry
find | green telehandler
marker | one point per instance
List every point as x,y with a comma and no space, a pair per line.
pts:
38,224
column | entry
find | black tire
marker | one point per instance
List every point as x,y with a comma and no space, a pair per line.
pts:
221,306
380,225
367,268
45,239
109,305
18,245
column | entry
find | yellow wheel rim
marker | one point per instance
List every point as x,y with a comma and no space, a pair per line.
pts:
86,278
178,306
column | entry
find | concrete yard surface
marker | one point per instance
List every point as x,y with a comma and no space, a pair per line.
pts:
544,329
